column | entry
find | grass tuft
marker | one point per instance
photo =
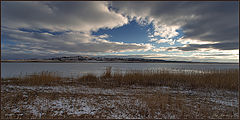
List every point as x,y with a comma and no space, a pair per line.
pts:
35,79
220,79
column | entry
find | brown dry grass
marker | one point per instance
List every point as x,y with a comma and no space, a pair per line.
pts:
160,104
148,105
35,79
220,79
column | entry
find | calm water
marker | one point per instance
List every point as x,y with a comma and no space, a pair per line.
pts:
75,69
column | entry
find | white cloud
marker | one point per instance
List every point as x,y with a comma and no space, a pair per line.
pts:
201,22
150,36
160,49
205,26
153,39
68,42
60,16
165,31
76,21
168,40
104,36
194,41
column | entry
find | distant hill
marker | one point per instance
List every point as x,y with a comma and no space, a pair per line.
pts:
107,59
98,59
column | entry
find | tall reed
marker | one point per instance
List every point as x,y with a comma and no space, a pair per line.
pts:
221,79
42,78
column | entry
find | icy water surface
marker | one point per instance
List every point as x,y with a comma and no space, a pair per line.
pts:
75,69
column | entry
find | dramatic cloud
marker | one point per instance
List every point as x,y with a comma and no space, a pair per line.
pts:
60,16
68,43
178,30
221,46
61,28
202,21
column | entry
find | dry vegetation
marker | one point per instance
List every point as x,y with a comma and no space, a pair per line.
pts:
134,94
219,79
43,78
84,102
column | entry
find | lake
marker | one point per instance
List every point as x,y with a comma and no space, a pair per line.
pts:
75,69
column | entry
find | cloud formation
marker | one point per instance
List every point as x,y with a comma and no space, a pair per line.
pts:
65,28
31,27
220,46
202,21
68,43
61,16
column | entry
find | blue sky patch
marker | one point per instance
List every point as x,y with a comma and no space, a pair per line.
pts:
129,33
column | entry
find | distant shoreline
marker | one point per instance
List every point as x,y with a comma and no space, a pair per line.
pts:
54,61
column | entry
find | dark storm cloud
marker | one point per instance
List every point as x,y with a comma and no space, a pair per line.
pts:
58,16
204,21
218,55
217,22
221,46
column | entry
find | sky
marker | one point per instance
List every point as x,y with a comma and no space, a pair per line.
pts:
179,31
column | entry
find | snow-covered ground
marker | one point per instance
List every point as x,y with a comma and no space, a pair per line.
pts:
80,101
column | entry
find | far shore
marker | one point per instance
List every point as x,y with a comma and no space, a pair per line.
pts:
57,61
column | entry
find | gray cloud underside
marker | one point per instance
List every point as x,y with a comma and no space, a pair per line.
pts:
67,42
78,18
60,16
218,55
221,46
205,21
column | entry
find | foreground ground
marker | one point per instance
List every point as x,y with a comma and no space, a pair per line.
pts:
124,102
120,96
